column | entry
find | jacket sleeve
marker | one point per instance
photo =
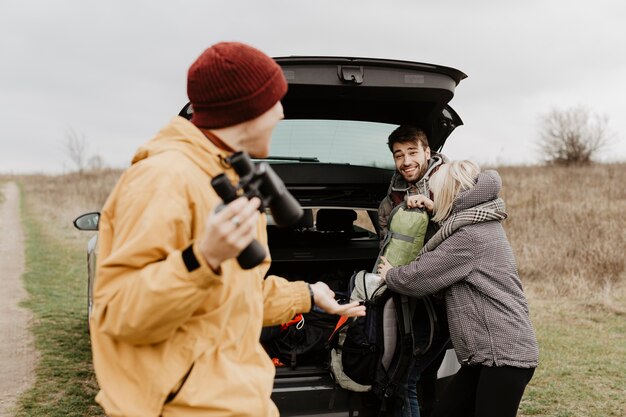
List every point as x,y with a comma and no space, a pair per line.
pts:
448,263
143,291
283,299
384,209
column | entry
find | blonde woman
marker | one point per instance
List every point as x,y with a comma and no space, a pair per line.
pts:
471,262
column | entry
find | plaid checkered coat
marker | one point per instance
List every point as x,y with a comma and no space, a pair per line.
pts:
471,260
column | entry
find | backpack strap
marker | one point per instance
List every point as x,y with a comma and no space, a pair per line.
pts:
432,318
400,236
407,329
389,387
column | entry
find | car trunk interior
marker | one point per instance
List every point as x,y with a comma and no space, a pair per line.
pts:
329,245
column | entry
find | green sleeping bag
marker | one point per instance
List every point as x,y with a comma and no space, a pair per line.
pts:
405,235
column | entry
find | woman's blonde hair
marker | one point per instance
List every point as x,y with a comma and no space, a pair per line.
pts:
447,182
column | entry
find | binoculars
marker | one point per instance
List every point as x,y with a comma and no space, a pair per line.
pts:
257,181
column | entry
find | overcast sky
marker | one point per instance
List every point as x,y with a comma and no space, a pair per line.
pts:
115,71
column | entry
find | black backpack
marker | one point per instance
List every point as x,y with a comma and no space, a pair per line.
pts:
305,343
373,353
377,348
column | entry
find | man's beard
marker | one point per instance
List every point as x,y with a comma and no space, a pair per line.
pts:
421,170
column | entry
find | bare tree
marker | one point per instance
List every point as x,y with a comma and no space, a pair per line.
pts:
573,136
96,163
76,149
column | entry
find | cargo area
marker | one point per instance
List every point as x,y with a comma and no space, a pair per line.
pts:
329,245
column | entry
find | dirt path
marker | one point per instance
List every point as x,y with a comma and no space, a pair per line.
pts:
17,353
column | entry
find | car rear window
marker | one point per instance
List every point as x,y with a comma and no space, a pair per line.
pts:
333,141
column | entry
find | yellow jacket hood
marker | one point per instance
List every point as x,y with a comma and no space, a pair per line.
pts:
183,136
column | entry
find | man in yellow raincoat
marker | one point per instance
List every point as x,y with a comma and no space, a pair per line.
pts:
176,321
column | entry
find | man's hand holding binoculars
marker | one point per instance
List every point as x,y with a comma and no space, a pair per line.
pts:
230,230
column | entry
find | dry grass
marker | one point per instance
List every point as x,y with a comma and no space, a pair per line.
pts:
58,200
74,193
568,230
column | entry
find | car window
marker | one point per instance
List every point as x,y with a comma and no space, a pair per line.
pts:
333,141
364,221
361,223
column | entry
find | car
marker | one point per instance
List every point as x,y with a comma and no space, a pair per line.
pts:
330,151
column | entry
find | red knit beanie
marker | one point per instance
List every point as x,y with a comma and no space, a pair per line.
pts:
231,83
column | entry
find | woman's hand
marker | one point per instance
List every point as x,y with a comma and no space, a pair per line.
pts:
383,267
325,299
420,201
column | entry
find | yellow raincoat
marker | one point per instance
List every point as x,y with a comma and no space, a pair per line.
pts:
153,320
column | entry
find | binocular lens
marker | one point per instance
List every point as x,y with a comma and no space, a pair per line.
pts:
241,163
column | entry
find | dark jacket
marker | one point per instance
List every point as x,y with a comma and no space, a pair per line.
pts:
487,310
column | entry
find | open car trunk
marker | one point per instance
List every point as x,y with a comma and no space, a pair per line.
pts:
328,244
337,235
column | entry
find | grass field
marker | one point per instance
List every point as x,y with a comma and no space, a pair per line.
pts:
55,280
566,226
582,364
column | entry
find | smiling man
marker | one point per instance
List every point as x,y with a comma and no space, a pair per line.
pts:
414,164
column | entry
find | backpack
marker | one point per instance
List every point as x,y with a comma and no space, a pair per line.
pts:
405,235
370,350
373,353
301,342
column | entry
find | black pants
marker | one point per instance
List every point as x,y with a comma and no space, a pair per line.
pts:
484,391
